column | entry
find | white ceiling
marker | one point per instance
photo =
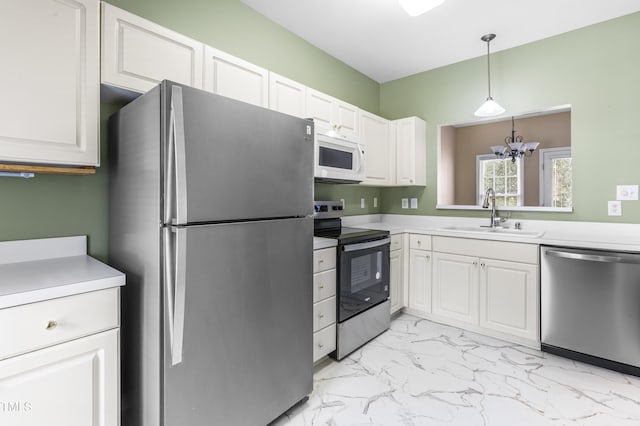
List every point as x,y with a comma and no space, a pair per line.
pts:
377,38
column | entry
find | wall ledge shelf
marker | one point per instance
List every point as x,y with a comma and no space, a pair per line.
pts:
56,170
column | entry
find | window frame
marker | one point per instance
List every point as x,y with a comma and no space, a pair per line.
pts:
479,178
547,155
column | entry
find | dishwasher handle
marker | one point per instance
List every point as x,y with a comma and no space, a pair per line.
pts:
595,256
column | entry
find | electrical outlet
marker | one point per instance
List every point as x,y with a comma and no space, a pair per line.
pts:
615,208
627,192
405,203
344,205
362,204
414,203
375,202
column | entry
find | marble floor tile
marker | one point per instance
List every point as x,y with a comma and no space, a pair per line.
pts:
423,373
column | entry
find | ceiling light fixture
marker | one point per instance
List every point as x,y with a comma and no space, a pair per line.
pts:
490,107
418,7
514,146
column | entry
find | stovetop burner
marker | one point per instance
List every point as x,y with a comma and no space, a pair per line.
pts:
328,224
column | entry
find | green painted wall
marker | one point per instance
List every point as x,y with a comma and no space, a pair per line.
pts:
52,206
595,69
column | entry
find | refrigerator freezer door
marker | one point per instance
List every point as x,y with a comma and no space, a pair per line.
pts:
228,160
246,353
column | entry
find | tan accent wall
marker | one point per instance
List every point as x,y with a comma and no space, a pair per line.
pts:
553,130
446,166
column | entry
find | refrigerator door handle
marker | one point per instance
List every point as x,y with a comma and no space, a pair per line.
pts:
179,156
175,273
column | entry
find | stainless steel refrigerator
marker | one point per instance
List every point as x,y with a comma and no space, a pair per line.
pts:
210,217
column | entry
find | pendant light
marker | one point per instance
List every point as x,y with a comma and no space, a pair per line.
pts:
490,107
418,7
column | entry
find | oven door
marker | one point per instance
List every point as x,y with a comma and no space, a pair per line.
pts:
364,276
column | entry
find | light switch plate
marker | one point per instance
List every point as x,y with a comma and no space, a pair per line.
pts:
615,208
375,202
627,192
414,203
362,204
405,203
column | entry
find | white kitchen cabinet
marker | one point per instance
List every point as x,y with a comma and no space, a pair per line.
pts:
509,298
50,80
229,76
329,113
396,274
66,372
324,302
287,96
374,133
410,152
487,286
420,270
455,287
137,54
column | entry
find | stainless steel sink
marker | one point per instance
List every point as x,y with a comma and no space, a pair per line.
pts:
487,230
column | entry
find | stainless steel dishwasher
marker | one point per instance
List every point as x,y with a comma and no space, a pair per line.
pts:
590,306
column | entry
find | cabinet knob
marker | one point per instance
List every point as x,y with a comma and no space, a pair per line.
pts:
320,345
419,242
428,257
475,263
321,261
320,315
482,265
51,324
321,286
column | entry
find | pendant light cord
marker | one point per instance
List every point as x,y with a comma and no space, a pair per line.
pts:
489,68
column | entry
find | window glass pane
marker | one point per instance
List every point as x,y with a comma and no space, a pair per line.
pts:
503,176
561,177
499,186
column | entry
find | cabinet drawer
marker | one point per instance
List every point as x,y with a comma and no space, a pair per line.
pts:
324,313
396,242
420,242
324,285
324,342
36,325
324,259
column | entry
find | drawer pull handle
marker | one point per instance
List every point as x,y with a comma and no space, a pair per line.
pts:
51,325
320,345
321,286
320,316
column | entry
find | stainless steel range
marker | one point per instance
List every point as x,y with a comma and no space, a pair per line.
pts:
363,278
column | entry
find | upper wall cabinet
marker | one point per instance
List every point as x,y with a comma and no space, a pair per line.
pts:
411,152
235,78
374,133
329,113
49,81
138,54
287,96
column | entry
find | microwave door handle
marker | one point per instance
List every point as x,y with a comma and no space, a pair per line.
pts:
360,158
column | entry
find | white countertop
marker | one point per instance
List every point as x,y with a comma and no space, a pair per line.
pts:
320,243
37,270
595,235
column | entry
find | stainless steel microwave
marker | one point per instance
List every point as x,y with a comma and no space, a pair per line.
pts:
338,160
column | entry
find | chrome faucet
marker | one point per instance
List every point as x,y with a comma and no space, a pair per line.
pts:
485,205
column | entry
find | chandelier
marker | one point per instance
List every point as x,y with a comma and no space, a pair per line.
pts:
514,146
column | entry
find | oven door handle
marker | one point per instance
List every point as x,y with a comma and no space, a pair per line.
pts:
368,245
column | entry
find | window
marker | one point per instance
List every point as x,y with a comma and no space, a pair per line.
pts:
555,177
503,175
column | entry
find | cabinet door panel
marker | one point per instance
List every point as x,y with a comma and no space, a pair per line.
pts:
455,287
287,96
235,78
395,280
319,108
374,133
420,280
49,81
71,384
509,298
138,54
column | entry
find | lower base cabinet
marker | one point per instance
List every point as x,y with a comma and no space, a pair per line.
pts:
69,384
324,302
489,287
